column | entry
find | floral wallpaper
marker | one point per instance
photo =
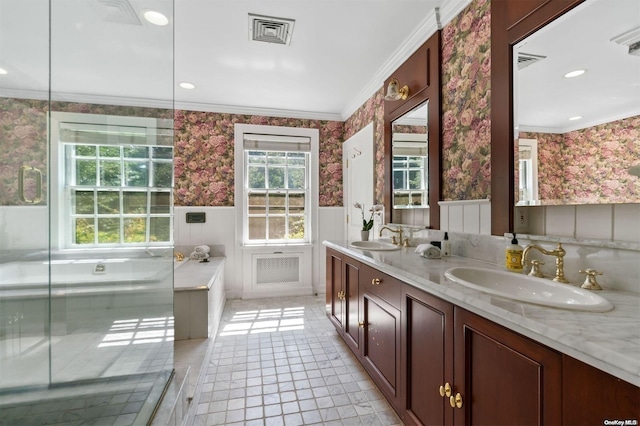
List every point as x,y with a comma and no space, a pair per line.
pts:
23,134
204,156
371,111
590,165
466,91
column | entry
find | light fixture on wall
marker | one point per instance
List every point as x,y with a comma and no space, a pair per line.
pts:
395,92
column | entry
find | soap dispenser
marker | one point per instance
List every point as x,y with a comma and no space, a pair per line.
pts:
445,245
513,256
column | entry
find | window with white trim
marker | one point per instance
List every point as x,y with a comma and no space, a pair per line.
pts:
278,193
117,185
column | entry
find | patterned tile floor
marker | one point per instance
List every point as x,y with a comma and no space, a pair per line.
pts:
280,362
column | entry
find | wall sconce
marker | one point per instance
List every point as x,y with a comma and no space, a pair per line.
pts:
395,92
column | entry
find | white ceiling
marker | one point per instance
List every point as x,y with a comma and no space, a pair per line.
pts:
581,39
341,52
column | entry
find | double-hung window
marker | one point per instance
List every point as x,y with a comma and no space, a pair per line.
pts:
116,185
410,170
277,188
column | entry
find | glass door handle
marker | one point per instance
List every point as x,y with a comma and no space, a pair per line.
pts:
21,178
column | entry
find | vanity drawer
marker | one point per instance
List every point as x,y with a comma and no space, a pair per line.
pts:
382,285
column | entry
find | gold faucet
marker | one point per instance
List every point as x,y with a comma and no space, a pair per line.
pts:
559,253
400,241
179,256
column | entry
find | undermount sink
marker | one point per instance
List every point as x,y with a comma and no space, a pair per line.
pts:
528,289
374,245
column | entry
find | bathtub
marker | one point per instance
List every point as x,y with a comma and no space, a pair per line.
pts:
83,276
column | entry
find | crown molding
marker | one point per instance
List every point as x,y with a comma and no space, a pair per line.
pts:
427,28
265,112
583,125
165,104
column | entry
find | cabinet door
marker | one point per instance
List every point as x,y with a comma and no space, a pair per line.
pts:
592,396
381,345
350,279
427,358
334,303
502,377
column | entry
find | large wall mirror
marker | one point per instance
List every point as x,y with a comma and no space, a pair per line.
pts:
410,164
412,156
576,107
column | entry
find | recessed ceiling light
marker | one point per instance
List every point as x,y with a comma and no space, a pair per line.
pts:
188,86
575,73
156,18
3,71
577,117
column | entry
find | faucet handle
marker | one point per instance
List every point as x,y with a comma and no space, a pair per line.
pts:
590,282
535,268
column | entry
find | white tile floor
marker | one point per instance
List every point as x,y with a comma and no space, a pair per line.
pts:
280,362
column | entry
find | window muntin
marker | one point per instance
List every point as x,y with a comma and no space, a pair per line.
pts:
118,195
277,196
409,180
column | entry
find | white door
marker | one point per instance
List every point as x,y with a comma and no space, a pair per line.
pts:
358,168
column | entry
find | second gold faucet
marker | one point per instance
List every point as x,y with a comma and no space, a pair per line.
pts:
558,252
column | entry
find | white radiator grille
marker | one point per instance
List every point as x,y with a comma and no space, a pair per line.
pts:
277,270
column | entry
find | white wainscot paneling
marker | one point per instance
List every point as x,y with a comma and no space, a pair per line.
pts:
466,216
24,227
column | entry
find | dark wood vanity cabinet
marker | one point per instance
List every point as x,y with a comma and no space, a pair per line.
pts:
503,378
343,297
427,357
380,314
439,364
363,305
462,369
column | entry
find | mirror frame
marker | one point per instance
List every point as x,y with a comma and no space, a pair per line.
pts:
511,22
423,79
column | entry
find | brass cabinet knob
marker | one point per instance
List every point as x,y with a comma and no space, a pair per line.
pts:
376,281
361,324
342,295
445,390
456,401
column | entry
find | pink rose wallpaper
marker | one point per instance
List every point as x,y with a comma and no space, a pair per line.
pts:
466,111
590,165
204,156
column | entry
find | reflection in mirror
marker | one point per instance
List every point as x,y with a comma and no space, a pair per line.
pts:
587,127
410,159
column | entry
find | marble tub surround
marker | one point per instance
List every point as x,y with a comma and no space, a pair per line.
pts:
608,341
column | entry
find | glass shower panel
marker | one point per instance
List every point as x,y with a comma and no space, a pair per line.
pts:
24,230
111,250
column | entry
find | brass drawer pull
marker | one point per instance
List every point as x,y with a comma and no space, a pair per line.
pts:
376,281
361,324
456,401
445,390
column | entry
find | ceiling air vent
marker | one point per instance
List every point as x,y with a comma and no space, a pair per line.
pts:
270,29
526,59
630,38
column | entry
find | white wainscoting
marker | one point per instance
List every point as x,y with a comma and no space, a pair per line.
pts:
219,229
466,216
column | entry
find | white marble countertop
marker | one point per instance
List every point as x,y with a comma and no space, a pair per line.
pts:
192,274
609,341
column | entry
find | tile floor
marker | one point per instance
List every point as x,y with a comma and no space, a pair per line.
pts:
280,362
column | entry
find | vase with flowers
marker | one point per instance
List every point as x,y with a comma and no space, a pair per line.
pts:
367,224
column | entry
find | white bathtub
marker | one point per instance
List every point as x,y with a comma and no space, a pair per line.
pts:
83,276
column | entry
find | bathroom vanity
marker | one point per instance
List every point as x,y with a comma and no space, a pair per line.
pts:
442,353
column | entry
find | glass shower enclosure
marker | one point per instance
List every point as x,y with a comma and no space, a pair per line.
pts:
86,211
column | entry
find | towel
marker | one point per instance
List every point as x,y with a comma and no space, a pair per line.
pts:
428,251
202,249
198,256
